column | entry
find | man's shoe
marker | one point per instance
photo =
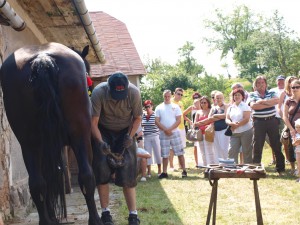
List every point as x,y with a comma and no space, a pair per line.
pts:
281,173
273,162
163,175
106,218
133,220
184,174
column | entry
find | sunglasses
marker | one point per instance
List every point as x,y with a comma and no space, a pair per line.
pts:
147,106
295,87
179,94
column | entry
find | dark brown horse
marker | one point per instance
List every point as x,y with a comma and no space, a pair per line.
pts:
47,105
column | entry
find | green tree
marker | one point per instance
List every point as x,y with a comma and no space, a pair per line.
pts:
187,74
231,30
259,45
187,62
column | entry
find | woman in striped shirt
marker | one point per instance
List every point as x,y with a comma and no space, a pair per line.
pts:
151,137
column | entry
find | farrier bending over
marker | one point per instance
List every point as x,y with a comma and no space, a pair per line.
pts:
116,116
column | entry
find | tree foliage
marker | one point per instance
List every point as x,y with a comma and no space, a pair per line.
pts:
187,74
259,45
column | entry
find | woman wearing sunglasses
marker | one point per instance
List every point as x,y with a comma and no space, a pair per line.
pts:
291,112
282,99
205,148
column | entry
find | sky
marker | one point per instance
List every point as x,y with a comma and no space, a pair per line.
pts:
159,28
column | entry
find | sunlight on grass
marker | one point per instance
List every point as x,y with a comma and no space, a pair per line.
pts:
177,201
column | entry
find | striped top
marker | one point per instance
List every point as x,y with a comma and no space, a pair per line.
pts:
149,126
263,113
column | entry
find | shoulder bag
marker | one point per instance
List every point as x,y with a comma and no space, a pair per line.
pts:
285,134
194,134
210,133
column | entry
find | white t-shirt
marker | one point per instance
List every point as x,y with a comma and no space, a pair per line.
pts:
278,93
167,113
236,114
297,138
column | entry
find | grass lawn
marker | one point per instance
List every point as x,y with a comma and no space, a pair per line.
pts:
177,201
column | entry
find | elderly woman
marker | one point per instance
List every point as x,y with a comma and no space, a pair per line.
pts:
205,148
217,115
238,118
291,112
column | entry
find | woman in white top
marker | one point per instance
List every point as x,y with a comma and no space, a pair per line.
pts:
238,118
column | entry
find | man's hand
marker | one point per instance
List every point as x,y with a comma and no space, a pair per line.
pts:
168,132
127,141
104,145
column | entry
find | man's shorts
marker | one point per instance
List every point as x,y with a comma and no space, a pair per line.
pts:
124,176
174,141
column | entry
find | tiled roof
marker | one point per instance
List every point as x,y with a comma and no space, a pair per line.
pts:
117,46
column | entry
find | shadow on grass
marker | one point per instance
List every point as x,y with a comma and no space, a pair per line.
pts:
153,197
154,205
271,173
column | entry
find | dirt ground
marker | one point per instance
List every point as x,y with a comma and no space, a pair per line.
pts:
77,212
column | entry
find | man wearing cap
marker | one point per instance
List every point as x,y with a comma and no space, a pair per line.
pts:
263,104
116,116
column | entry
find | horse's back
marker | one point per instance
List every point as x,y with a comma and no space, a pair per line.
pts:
18,91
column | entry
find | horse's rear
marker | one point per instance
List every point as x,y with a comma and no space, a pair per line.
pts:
47,105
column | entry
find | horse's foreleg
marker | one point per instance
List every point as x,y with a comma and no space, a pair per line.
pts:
86,181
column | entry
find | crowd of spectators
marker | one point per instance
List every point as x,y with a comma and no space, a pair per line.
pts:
254,118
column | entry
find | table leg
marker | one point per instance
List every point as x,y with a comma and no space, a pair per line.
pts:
213,203
257,204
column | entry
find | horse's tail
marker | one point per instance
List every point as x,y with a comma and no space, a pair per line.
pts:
44,80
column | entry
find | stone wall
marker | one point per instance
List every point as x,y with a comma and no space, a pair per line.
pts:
4,151
15,199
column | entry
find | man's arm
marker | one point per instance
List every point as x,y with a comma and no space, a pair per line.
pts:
95,130
135,125
264,103
168,131
159,124
176,124
280,104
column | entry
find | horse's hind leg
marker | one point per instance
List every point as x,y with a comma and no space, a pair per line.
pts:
38,187
86,177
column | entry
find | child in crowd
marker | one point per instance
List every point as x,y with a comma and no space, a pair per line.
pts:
296,143
142,154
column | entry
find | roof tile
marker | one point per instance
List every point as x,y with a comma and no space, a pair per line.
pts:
117,46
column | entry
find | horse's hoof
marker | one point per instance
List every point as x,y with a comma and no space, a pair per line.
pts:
95,221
